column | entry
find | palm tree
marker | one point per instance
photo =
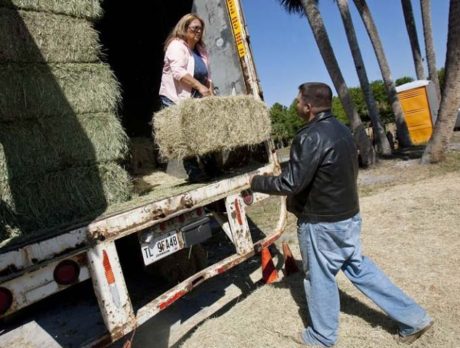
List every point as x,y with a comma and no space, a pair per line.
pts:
429,46
450,102
412,32
383,146
402,132
310,9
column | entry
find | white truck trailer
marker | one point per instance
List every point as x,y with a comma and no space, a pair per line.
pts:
172,217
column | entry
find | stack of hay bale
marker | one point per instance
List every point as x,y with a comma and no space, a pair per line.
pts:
60,137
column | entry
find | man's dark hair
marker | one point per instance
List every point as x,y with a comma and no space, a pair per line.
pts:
317,94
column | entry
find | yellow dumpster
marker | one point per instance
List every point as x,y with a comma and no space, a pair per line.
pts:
419,103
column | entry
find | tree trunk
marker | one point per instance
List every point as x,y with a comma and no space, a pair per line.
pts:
429,46
412,32
365,148
450,102
383,146
403,134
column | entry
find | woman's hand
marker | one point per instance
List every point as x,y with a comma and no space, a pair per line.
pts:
204,91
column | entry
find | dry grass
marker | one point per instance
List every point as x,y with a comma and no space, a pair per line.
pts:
34,147
41,90
40,37
200,126
409,230
31,205
90,9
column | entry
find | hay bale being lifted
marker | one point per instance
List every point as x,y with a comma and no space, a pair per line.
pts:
40,37
200,126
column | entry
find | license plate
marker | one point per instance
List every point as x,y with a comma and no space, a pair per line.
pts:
160,247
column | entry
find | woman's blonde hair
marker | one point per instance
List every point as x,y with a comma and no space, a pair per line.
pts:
180,30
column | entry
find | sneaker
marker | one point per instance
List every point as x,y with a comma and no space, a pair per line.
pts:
299,340
412,338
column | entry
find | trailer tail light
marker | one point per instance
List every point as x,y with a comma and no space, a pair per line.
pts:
6,299
248,197
66,272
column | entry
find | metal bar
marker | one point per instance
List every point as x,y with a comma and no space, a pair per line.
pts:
110,289
241,235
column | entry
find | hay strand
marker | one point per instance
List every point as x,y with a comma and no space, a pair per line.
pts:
34,147
40,90
90,9
43,37
63,197
200,126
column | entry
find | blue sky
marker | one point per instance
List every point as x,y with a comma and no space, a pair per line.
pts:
286,53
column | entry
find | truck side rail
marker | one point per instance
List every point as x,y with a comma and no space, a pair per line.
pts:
121,224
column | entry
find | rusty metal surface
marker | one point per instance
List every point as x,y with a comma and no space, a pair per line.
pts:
134,220
169,297
39,283
33,254
238,223
111,292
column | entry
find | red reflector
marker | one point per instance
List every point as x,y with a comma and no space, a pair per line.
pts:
163,226
66,272
181,218
6,299
248,197
199,211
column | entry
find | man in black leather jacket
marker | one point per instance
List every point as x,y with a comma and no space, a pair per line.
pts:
320,182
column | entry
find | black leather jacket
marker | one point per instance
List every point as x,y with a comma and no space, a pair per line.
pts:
320,178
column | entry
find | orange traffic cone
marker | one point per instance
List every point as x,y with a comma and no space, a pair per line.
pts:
290,265
269,272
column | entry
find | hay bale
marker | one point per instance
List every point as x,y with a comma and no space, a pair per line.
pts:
43,37
200,126
40,90
90,9
63,197
34,147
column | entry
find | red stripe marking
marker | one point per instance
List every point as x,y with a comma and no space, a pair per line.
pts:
171,300
238,212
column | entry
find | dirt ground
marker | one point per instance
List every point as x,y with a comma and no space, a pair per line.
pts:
411,215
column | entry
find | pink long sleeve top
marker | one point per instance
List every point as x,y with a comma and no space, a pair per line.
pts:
178,62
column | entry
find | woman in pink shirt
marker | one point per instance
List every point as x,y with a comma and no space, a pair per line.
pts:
186,75
186,64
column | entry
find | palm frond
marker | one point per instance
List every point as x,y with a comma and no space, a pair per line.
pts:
292,6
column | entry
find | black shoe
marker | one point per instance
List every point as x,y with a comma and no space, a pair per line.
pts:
193,179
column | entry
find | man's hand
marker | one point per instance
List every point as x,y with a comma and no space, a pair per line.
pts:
251,177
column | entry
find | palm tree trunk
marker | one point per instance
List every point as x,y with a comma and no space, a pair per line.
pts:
450,102
412,32
383,146
429,46
402,132
366,151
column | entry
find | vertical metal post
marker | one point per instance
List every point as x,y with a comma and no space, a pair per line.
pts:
110,289
239,224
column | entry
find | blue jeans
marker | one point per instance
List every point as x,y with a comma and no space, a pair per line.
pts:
327,248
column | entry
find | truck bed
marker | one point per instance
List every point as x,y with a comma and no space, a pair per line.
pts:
151,187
